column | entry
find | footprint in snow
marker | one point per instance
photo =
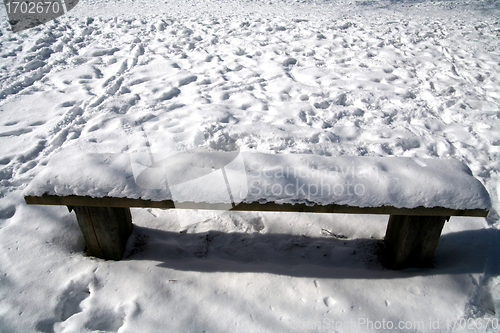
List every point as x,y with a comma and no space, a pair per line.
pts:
68,304
7,212
71,300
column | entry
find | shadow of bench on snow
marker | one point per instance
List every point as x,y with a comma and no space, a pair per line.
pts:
300,256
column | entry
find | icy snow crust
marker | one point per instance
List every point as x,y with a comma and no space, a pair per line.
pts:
257,177
406,79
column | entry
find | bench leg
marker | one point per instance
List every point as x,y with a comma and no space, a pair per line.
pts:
412,240
105,230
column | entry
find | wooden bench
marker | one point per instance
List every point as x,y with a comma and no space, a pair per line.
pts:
419,195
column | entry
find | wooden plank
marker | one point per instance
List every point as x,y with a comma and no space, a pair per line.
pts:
105,230
412,240
343,209
73,200
254,206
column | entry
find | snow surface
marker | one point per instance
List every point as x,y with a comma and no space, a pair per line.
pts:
221,177
413,79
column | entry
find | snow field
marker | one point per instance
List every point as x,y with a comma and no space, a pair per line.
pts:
362,79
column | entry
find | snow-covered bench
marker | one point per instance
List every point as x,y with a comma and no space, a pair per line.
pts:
418,194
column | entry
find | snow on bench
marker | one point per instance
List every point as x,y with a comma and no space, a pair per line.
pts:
418,194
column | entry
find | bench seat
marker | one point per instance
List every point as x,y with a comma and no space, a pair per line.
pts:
418,194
